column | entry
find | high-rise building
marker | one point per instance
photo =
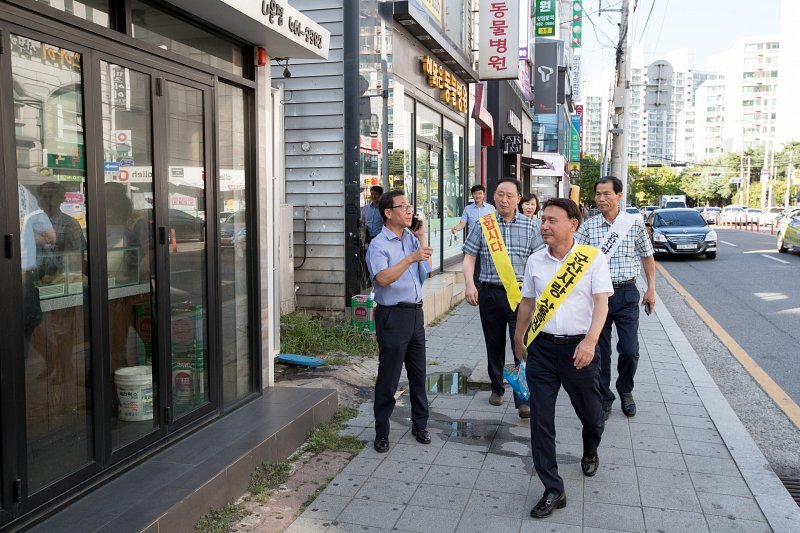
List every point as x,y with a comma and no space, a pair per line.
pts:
593,126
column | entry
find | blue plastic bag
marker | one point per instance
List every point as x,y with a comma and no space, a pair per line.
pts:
518,381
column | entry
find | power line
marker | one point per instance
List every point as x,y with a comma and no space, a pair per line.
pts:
644,30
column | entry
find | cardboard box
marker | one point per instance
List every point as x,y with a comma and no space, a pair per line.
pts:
363,309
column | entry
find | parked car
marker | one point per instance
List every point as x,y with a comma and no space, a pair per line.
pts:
752,216
187,226
646,210
788,232
633,211
770,216
711,214
681,232
233,229
732,214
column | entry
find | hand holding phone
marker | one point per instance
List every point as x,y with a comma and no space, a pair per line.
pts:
647,309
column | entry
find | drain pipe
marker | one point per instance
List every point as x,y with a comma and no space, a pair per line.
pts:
306,210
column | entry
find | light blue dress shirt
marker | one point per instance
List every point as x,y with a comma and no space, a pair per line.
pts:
472,213
387,249
372,219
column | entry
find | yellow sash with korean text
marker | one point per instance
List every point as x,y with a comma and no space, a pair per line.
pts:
502,262
568,275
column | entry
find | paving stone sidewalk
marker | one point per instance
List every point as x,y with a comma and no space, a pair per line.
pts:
684,463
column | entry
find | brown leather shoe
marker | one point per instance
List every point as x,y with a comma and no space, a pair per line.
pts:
496,399
524,410
628,405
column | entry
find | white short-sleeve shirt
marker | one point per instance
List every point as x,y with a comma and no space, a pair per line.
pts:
574,316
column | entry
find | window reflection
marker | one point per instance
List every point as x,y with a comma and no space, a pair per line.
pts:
92,10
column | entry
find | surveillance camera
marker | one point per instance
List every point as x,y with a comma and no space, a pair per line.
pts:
286,72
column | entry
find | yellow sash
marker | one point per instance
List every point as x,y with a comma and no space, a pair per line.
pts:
502,262
570,273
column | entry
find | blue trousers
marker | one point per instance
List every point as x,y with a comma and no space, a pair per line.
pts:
623,311
549,367
401,340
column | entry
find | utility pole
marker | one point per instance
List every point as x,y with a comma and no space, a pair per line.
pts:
747,193
789,175
620,125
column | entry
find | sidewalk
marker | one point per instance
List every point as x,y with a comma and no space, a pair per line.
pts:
684,463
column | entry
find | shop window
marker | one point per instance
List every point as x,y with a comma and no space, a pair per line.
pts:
95,11
400,147
237,371
168,32
453,197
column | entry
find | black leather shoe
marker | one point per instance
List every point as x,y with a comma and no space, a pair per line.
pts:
381,445
628,405
550,500
606,412
422,435
589,465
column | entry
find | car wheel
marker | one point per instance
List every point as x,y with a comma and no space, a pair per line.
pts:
781,247
711,255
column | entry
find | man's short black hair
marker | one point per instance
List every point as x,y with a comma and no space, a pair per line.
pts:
614,181
386,201
567,205
516,183
376,188
476,188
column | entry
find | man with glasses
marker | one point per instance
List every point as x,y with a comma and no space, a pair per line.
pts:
398,262
520,238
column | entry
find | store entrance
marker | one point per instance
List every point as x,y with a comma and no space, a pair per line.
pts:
107,220
428,196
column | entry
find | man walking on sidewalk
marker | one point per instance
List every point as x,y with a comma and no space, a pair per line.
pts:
568,286
505,240
398,262
472,213
626,245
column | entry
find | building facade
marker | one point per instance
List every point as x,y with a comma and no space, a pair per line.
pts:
593,127
139,223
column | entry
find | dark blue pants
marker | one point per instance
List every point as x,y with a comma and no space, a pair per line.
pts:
496,318
549,367
623,311
401,339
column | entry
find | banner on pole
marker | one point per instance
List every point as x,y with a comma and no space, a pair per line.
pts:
577,23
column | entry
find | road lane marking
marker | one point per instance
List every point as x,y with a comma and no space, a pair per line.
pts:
776,259
728,243
773,390
767,251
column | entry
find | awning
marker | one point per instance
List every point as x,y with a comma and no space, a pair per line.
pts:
536,163
555,164
281,29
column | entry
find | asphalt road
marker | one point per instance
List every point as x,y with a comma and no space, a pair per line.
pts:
754,293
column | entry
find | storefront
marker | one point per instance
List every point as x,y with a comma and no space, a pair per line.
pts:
135,138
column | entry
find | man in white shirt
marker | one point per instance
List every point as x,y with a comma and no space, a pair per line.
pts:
565,351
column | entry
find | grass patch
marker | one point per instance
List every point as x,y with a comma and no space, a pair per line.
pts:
306,335
221,520
267,478
327,437
432,362
436,321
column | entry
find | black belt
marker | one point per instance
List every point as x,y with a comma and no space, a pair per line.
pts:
493,285
621,284
406,305
561,339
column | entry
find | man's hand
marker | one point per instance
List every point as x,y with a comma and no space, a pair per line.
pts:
649,297
584,353
423,253
420,233
471,295
520,349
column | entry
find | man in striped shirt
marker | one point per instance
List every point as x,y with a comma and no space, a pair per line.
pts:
633,252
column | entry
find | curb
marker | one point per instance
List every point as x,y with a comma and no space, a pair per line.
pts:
780,510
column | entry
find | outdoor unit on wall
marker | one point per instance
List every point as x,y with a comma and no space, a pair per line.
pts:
286,259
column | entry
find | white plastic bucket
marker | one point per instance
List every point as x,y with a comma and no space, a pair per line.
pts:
134,393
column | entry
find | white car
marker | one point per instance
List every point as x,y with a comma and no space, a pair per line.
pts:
752,216
711,214
770,216
634,211
732,214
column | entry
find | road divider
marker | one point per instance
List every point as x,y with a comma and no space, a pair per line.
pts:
773,390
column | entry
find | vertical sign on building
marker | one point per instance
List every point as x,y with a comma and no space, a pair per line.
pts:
434,8
545,21
579,112
576,78
524,29
545,77
499,40
577,23
575,139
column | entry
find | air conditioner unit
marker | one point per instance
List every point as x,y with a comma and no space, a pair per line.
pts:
286,259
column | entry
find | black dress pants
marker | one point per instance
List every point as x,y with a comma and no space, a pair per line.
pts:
550,366
623,311
401,340
497,318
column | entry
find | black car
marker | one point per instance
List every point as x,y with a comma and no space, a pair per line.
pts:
681,232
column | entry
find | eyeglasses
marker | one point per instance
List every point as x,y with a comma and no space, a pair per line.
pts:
404,207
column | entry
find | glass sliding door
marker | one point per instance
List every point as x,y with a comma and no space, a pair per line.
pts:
185,159
130,255
453,197
428,196
51,191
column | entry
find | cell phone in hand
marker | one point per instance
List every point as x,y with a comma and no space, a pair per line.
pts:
414,223
647,309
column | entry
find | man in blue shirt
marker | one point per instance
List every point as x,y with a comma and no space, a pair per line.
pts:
474,211
371,218
398,262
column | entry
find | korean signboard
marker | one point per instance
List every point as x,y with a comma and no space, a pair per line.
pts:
499,40
576,78
577,23
575,138
579,112
434,8
545,18
545,77
454,92
524,30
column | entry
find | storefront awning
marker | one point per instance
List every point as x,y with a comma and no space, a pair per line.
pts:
536,163
281,29
554,164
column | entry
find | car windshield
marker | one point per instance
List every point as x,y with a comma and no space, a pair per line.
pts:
733,210
714,209
674,204
632,210
756,211
678,218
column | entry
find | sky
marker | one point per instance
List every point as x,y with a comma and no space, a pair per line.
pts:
706,27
